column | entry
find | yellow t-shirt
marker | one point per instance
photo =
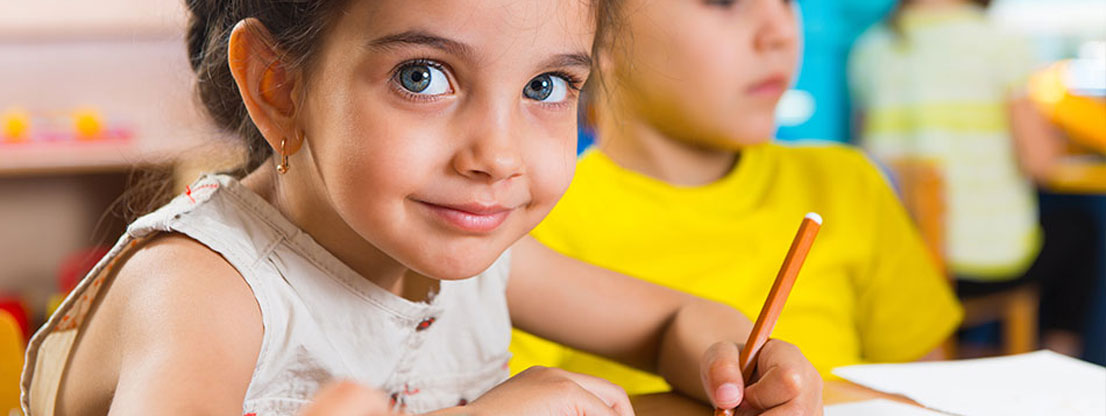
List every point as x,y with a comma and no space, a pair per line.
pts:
868,291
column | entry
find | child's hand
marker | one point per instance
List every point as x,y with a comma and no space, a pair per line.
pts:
346,398
554,392
784,382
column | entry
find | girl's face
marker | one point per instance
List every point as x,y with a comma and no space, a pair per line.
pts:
443,131
706,71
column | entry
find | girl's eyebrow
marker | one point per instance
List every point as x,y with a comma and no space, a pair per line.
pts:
578,59
425,38
421,37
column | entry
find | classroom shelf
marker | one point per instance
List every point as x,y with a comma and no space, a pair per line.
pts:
75,158
144,86
53,19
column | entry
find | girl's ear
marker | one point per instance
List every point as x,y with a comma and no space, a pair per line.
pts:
268,89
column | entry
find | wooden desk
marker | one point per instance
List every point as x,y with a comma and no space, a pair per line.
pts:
672,404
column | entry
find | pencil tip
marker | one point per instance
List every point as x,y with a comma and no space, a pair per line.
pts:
814,217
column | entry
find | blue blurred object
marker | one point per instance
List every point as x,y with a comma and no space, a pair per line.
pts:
829,30
585,137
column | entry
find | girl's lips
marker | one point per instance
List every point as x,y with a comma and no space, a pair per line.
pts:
773,86
474,218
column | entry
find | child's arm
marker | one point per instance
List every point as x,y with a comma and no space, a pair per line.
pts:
691,342
535,391
1038,145
184,328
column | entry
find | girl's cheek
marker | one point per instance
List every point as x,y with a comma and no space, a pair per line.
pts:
553,179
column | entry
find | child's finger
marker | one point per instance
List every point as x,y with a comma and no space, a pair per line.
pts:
784,380
346,398
721,375
776,386
612,395
590,404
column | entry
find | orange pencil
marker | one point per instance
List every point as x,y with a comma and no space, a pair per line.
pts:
773,305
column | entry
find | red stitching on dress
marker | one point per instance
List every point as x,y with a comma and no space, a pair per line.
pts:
188,190
425,324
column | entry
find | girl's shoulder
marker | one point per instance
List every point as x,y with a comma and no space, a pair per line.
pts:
821,157
172,273
174,288
834,171
175,313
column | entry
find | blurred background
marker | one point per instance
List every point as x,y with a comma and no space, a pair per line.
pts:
95,96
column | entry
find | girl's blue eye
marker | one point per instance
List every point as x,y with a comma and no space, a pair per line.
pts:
423,79
546,88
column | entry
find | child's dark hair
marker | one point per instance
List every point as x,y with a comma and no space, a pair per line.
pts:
296,27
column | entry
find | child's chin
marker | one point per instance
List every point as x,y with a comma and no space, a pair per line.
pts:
456,267
749,138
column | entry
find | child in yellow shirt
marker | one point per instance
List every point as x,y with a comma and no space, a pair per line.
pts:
686,190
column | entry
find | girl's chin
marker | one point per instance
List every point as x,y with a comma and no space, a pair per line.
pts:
754,133
455,267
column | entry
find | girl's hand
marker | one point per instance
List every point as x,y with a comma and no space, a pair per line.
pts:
553,392
346,398
785,383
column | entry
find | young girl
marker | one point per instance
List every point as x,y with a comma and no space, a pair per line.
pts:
686,190
401,153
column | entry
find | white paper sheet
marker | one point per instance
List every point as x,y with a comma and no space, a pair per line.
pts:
878,407
1037,383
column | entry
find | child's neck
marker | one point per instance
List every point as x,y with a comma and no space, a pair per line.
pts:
638,146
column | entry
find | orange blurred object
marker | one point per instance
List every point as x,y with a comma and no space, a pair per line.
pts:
1082,117
15,309
15,124
11,363
88,124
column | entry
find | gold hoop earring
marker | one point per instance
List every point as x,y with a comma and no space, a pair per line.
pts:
282,168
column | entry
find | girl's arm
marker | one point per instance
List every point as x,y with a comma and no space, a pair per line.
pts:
186,328
691,342
1037,143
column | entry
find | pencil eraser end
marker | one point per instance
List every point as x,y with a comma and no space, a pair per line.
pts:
813,216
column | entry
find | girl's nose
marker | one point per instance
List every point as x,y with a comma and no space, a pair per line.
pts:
778,27
489,163
492,154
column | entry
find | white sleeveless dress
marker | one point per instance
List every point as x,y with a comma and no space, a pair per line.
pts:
321,319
